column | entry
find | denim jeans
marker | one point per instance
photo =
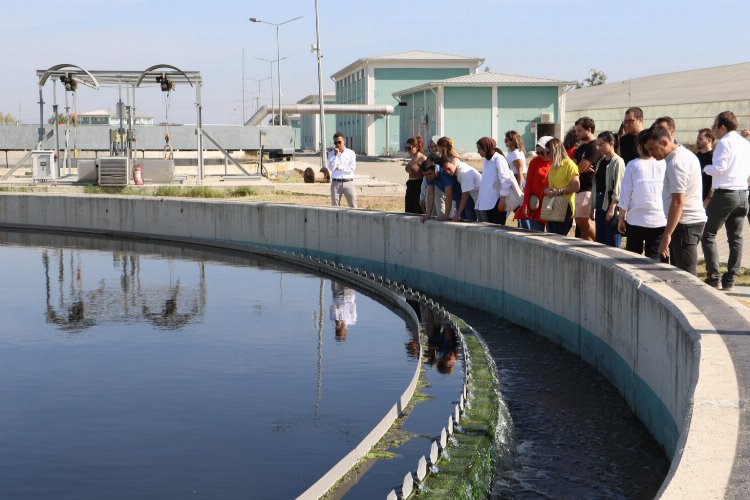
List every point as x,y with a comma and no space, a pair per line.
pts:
563,227
524,223
536,226
605,233
683,247
726,208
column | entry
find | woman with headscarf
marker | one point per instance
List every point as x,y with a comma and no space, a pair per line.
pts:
495,184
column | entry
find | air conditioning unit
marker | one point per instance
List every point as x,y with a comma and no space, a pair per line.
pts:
545,118
113,171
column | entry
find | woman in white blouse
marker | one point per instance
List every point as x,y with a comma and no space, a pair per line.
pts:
517,162
495,185
642,218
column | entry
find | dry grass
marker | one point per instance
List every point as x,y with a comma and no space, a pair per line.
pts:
378,203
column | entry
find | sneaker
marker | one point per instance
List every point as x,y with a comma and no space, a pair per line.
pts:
727,287
713,282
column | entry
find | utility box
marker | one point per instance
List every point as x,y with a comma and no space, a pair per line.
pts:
156,170
44,166
114,171
87,171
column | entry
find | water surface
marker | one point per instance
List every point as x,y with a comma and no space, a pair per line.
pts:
137,371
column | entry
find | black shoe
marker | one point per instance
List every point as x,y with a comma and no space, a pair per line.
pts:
713,282
727,287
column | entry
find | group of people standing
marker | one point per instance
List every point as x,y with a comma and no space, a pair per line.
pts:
638,182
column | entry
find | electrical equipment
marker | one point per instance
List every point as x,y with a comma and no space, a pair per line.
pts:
114,171
44,166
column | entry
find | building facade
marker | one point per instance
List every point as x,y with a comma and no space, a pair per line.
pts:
692,98
374,81
310,131
469,107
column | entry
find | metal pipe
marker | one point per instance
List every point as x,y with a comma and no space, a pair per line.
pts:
313,109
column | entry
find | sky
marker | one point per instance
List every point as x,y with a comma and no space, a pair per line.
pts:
561,39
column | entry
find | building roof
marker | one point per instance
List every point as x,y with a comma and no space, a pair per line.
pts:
487,79
98,112
411,57
720,83
313,98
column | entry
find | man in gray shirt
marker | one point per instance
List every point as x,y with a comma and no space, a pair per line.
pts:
682,198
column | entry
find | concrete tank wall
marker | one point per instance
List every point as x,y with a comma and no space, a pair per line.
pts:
637,322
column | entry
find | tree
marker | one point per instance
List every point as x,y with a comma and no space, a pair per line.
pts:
275,120
61,119
8,119
595,78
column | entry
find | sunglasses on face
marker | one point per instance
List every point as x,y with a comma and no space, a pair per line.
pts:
338,142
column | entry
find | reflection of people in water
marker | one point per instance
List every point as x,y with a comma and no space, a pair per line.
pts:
441,346
343,309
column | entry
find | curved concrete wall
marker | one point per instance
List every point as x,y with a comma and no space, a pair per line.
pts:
678,351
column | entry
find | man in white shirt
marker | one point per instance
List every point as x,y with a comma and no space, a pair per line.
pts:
342,163
469,178
729,171
682,199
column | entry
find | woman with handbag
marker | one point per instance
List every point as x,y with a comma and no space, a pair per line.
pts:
606,190
562,184
517,162
496,183
533,192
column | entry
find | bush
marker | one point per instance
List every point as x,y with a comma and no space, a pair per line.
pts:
242,191
168,191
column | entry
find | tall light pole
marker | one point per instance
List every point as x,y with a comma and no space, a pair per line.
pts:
257,99
271,61
278,56
319,56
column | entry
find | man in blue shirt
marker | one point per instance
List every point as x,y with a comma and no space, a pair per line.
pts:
437,178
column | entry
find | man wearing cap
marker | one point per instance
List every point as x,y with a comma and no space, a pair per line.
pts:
536,177
342,162
729,170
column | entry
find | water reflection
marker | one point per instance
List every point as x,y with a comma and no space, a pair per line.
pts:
75,304
343,309
442,341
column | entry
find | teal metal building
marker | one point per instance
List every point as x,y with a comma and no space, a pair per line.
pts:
476,105
374,80
310,131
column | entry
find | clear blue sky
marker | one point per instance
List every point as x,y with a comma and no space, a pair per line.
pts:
550,38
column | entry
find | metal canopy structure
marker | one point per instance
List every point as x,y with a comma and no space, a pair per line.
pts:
162,76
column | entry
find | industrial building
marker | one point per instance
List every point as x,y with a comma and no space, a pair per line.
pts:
373,81
310,128
693,98
483,105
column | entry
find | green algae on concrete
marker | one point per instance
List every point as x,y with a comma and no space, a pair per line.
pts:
484,442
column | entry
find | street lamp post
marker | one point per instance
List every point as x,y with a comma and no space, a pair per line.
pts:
278,56
322,115
257,99
271,61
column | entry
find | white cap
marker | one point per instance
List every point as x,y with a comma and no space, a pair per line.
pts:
543,140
